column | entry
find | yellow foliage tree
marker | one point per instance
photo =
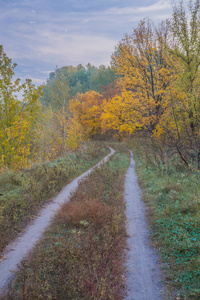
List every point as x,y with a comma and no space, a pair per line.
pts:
146,74
17,117
75,134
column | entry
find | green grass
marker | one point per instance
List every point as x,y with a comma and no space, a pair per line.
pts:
22,194
82,253
170,192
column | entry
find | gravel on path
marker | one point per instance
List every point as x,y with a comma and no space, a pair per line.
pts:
143,274
19,249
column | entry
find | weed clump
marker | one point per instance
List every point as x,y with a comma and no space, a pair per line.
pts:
90,211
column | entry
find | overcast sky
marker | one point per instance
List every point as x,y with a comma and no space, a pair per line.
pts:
41,34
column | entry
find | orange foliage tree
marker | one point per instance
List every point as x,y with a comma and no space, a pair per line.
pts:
87,109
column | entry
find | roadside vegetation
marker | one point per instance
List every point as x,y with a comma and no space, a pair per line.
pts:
82,253
23,193
170,192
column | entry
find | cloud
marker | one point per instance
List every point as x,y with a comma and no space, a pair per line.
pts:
75,48
159,6
131,10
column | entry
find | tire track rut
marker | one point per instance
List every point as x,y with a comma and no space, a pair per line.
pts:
19,249
144,275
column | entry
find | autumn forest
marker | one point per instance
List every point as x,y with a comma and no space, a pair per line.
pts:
152,87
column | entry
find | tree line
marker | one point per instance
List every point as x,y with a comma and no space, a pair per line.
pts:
40,126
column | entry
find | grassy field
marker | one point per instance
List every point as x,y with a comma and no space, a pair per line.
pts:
170,192
82,253
23,193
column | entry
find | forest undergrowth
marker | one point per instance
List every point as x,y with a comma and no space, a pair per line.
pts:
170,192
82,254
23,193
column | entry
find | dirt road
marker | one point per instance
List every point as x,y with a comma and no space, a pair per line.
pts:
144,276
19,249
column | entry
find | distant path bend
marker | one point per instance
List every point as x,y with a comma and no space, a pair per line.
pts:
144,276
19,249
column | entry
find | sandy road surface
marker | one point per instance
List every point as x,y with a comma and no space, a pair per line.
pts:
19,249
144,276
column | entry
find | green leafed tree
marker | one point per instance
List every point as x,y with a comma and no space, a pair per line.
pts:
71,80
